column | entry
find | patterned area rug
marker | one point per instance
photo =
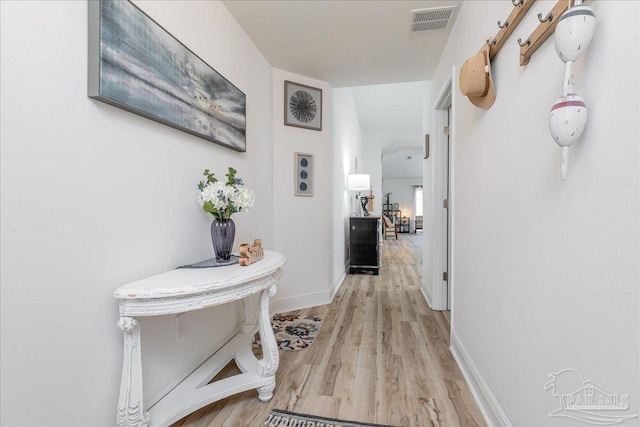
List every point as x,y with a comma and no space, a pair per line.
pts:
293,332
278,418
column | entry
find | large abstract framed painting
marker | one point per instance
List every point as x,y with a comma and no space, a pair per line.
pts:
302,106
135,64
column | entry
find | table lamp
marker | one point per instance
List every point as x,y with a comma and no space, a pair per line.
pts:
359,182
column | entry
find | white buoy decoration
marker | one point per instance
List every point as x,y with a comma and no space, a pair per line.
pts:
568,115
574,32
567,120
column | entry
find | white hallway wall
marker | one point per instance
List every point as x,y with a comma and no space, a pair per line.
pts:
93,197
427,195
546,271
347,145
389,114
312,231
117,195
370,162
301,223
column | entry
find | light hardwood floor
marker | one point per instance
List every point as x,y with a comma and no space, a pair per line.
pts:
381,356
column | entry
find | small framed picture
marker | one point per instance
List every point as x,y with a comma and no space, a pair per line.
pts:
426,146
303,170
302,106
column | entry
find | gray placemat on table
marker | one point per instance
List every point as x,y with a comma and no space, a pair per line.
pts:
211,262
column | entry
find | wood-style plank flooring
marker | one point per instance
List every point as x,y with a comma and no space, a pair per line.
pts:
381,356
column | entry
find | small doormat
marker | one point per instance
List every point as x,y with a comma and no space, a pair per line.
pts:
293,332
278,418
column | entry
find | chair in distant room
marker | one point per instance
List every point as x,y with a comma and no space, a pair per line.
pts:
418,223
390,229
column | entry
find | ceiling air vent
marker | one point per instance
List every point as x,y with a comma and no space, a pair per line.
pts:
431,19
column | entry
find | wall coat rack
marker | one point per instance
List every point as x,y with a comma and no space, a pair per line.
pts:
520,8
476,82
543,31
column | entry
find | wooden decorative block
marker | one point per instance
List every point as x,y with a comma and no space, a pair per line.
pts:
251,254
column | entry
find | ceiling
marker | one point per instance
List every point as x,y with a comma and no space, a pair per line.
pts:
391,117
344,42
366,45
403,163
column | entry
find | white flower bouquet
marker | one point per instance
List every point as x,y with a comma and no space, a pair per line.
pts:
223,199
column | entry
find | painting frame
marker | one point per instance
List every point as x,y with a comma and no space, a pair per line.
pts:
302,106
303,174
137,65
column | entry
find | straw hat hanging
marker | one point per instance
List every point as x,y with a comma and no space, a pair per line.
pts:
476,81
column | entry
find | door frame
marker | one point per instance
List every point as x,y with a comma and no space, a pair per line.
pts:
444,101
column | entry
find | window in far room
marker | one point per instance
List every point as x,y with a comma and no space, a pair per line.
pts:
417,198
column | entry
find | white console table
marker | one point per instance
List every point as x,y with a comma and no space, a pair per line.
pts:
183,290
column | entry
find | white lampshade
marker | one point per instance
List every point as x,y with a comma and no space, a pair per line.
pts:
358,181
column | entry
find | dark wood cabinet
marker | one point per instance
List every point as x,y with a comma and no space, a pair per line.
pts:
364,244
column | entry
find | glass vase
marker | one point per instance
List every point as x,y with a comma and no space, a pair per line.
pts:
223,232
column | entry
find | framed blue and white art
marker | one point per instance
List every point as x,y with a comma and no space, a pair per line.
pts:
303,174
136,65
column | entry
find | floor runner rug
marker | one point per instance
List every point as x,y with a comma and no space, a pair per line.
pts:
278,418
293,332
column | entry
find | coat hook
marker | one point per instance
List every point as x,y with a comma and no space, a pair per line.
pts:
492,41
528,41
549,17
501,25
517,3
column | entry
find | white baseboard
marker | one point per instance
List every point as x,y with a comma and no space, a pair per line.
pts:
491,410
309,300
301,301
426,296
338,283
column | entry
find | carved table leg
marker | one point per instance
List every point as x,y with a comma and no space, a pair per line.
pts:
131,411
250,319
268,365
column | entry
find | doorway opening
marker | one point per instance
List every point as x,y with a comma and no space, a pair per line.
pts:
442,202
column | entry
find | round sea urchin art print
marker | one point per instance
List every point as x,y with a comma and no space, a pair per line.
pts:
302,106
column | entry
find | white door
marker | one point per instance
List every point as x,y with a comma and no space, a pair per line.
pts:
442,245
447,245
445,213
